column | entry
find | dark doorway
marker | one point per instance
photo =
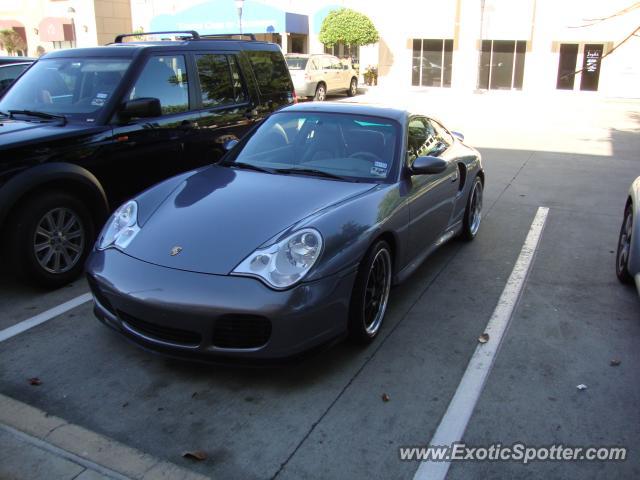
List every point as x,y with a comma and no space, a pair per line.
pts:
591,67
567,66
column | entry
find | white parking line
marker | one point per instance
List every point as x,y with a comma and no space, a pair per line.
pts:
18,328
455,420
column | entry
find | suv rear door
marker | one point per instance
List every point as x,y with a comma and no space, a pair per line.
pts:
273,79
224,98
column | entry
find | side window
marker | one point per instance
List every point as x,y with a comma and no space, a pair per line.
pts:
271,71
443,133
325,63
421,139
313,65
164,78
335,64
219,80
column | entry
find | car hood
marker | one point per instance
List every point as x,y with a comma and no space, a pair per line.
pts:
219,215
15,133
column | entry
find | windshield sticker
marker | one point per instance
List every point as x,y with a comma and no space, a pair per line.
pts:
379,172
380,165
98,102
102,95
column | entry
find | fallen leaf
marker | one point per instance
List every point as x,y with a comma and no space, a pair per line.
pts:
198,455
194,394
615,362
385,397
484,338
582,386
125,404
35,381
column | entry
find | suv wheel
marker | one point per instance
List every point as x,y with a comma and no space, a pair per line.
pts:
353,87
321,93
49,238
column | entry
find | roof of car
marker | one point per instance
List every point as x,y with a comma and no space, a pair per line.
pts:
131,49
353,108
7,60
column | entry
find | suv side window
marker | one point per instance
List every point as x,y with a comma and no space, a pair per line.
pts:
164,78
220,80
325,63
271,71
335,64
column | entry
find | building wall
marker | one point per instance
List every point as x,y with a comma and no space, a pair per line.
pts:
96,21
112,18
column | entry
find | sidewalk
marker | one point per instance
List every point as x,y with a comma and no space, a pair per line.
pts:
35,446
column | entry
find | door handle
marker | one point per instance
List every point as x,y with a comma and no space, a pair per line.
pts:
454,176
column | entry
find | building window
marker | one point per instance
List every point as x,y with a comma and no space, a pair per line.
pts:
432,61
570,55
501,64
590,75
567,66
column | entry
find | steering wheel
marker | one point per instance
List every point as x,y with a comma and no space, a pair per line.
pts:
366,156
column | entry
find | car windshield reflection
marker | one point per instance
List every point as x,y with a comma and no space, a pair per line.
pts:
76,88
331,145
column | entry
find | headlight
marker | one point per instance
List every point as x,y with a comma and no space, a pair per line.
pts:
286,262
121,227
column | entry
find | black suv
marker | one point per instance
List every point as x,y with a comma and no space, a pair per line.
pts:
84,129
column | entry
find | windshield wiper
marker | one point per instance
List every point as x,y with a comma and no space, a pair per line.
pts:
247,166
5,114
313,172
34,113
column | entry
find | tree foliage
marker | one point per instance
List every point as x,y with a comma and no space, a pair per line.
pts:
349,27
11,41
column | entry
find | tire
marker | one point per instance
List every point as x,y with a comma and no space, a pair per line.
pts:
321,93
53,255
624,247
364,324
473,211
353,87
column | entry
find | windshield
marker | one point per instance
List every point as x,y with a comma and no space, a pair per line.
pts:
355,147
77,88
297,63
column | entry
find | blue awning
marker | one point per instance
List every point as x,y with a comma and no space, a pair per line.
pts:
221,16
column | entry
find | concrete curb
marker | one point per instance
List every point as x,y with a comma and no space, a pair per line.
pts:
94,451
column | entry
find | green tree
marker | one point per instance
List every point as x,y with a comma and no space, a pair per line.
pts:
12,42
349,27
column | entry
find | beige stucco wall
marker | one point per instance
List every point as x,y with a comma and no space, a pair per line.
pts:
112,18
96,21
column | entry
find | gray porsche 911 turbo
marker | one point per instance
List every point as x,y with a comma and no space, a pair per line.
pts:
292,240
628,254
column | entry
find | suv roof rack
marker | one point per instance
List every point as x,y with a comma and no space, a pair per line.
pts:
191,33
194,35
229,36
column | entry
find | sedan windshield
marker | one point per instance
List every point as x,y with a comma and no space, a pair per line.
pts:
328,145
77,88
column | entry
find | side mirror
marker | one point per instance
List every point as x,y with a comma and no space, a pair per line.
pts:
141,108
229,144
428,165
459,135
